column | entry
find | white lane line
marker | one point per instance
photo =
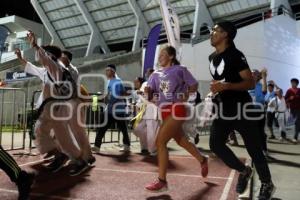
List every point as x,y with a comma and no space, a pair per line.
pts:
169,174
228,186
40,195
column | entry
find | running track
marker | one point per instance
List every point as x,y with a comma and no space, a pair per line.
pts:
123,177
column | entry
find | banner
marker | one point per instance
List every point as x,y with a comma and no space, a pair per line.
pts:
150,52
171,23
17,76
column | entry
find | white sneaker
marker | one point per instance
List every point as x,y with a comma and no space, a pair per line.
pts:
125,148
95,149
294,141
266,153
153,153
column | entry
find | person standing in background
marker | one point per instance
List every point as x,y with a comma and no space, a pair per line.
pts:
258,97
292,98
270,110
115,108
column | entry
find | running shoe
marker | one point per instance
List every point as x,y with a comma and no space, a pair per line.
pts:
91,161
157,186
204,167
58,163
24,182
266,191
95,149
78,167
244,179
125,149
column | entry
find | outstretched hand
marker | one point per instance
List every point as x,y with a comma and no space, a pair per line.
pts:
31,38
18,53
217,86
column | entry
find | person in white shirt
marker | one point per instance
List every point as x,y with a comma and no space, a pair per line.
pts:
278,105
146,129
46,128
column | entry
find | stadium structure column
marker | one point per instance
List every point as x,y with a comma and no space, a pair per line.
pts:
202,16
142,27
55,39
96,38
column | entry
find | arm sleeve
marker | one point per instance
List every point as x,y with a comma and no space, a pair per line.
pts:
152,82
117,89
34,70
240,62
287,96
54,69
188,77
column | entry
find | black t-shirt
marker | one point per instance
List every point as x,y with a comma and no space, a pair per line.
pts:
226,66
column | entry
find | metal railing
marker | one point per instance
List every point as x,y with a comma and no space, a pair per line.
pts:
17,118
12,123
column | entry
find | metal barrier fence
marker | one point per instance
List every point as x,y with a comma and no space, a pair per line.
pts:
17,118
12,123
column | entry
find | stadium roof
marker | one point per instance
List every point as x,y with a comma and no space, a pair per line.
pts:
72,22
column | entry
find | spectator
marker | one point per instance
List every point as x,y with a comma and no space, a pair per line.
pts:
270,110
258,97
292,98
279,106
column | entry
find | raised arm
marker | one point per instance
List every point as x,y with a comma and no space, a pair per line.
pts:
51,66
22,60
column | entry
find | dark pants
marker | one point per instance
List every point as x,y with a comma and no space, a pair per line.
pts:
252,139
296,115
121,124
9,165
261,129
270,121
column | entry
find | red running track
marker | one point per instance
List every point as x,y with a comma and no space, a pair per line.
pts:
123,177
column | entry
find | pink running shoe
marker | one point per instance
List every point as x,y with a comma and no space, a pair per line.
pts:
204,167
157,186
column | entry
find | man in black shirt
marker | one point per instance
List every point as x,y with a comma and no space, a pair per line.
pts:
232,80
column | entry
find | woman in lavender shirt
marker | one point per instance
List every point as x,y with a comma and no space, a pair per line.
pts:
172,86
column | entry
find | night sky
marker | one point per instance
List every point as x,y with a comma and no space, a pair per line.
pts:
22,8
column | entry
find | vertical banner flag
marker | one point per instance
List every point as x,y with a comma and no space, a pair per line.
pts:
152,42
171,23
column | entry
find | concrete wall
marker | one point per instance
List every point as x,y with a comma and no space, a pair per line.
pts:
273,44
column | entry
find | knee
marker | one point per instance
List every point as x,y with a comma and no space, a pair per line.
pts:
160,143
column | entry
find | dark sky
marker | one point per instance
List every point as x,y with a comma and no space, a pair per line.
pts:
22,8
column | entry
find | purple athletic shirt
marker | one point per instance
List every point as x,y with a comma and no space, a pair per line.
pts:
170,83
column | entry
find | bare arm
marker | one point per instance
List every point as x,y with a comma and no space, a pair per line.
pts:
22,60
247,83
264,80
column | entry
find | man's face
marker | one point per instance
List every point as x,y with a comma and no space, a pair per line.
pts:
270,88
294,84
278,93
109,73
217,35
137,84
65,60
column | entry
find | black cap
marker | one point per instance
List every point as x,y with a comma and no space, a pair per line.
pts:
112,66
228,27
